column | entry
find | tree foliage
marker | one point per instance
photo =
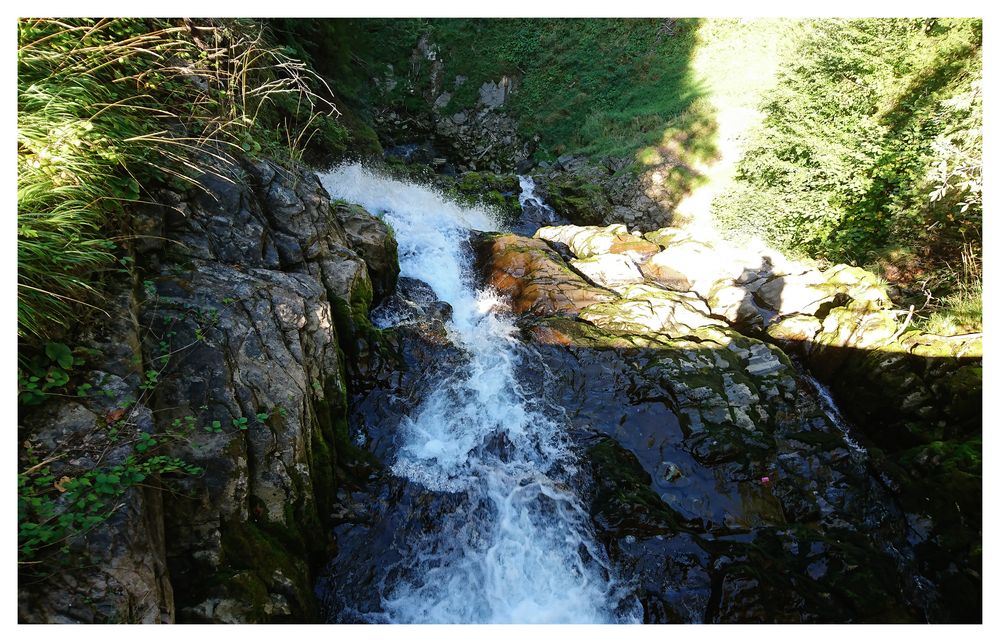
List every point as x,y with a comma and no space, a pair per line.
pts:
872,143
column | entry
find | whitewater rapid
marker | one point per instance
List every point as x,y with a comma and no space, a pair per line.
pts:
522,548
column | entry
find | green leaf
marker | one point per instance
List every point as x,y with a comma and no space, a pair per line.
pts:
59,353
57,377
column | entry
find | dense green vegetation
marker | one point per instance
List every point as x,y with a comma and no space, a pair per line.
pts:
110,109
871,150
600,87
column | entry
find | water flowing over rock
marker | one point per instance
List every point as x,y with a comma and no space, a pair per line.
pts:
479,519
535,213
407,413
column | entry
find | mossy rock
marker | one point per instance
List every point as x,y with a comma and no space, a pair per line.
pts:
260,580
483,182
576,198
624,502
944,479
570,332
497,191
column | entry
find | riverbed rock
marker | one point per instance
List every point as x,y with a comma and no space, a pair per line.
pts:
737,403
591,241
374,241
586,241
609,270
535,278
735,304
713,463
648,309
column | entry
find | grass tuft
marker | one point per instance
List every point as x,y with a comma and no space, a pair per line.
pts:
108,109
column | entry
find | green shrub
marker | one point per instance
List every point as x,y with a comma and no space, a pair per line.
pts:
871,141
961,310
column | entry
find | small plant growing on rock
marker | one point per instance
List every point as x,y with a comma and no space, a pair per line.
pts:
47,374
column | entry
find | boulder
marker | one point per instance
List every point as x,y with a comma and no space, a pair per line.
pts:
648,309
692,265
795,329
586,241
375,242
735,303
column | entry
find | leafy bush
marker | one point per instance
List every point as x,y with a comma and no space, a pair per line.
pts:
871,142
52,512
46,373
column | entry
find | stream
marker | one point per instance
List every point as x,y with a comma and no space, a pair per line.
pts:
517,546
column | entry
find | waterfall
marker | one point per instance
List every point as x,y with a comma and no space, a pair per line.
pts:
528,199
521,547
832,411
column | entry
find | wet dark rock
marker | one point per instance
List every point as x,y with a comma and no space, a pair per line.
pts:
374,242
623,503
412,303
712,441
661,491
524,166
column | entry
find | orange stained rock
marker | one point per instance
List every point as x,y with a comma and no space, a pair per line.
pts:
537,280
549,335
639,249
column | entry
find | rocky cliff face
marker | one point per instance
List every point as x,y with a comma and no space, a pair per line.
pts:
616,191
230,355
480,136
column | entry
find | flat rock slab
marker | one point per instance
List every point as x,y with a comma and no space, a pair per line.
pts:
592,240
609,270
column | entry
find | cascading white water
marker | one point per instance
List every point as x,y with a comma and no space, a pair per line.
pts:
832,411
528,198
522,549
